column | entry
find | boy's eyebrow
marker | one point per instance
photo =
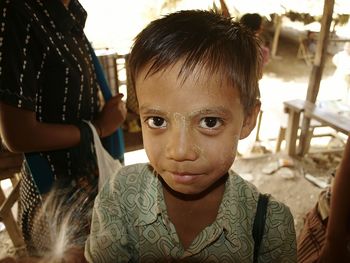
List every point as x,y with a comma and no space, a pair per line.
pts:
149,110
215,110
204,111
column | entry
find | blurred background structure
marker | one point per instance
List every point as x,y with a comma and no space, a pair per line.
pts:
113,24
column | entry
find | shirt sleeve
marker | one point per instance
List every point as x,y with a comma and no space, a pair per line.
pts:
20,57
279,241
108,240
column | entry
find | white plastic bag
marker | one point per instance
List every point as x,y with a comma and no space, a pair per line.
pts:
107,165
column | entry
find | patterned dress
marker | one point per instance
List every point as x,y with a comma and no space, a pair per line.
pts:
46,67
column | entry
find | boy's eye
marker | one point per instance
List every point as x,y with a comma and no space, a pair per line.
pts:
156,122
210,122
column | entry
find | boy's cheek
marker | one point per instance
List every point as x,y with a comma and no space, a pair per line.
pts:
153,148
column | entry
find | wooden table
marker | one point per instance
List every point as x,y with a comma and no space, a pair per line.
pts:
321,113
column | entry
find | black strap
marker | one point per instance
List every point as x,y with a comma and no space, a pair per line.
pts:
259,223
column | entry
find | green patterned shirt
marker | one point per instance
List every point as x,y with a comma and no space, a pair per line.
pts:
130,224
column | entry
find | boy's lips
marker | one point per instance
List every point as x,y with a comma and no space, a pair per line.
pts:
184,177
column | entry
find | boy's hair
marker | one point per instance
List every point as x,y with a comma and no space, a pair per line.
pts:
205,39
252,21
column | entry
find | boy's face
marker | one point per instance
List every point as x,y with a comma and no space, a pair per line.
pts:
191,129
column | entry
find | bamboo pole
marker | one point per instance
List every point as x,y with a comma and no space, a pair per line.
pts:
278,26
316,73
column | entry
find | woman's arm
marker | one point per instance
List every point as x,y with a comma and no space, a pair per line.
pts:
335,249
23,133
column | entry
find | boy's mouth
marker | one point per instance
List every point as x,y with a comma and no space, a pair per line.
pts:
184,177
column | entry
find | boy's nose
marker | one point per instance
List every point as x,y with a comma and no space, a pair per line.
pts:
181,146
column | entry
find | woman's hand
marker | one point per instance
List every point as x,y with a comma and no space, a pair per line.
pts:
111,117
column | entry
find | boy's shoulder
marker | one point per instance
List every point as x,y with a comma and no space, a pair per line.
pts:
243,198
246,195
238,211
241,191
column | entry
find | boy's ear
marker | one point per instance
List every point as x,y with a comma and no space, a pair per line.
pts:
250,121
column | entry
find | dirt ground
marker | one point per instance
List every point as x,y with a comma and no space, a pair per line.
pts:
285,77
288,184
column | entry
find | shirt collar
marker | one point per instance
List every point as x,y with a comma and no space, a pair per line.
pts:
67,19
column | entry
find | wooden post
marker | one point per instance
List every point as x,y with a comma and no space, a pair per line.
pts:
278,26
316,73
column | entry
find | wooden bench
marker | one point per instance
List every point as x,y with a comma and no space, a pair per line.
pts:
321,115
10,165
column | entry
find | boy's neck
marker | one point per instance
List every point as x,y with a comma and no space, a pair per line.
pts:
191,214
195,197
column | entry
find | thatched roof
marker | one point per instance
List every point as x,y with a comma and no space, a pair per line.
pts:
266,7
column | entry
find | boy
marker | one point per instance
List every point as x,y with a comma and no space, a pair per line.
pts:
196,79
